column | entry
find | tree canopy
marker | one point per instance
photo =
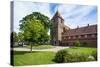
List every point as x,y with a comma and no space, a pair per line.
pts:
35,27
38,16
33,30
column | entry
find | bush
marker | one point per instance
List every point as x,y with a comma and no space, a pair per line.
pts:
84,44
60,56
77,44
74,57
91,58
94,54
67,56
70,58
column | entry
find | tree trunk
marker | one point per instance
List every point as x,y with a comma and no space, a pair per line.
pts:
31,47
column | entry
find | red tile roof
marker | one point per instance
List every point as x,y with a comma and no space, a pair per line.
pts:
81,31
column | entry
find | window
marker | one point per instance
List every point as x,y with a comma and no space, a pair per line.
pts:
82,36
63,38
79,36
74,37
85,36
93,35
69,37
89,35
66,37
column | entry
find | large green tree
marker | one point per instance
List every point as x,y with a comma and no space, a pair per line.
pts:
37,15
44,38
32,31
35,28
44,20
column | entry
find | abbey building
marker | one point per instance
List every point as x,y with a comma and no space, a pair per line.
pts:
62,35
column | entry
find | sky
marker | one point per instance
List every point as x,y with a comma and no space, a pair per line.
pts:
74,15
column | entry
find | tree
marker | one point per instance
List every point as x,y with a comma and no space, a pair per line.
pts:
20,37
77,43
32,31
44,38
44,20
38,16
15,38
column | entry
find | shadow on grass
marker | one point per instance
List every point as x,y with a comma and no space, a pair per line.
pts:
23,52
56,61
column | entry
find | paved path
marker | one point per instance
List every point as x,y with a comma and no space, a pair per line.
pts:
55,49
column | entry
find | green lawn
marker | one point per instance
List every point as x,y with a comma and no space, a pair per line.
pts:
27,58
83,50
43,57
41,46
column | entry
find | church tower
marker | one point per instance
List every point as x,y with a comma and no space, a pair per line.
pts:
56,29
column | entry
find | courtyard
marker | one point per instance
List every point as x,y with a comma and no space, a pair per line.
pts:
23,56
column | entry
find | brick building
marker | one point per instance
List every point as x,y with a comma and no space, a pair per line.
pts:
63,35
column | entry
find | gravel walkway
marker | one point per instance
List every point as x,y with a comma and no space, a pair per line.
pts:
55,49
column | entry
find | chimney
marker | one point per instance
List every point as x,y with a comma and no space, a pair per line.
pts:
88,25
77,27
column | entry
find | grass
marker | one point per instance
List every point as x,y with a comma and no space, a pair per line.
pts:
41,46
83,50
34,58
43,57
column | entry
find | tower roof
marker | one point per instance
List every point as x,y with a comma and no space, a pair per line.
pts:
57,14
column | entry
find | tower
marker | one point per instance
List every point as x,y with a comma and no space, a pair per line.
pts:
56,29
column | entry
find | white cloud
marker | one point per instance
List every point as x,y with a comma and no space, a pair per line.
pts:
44,8
21,9
74,15
69,10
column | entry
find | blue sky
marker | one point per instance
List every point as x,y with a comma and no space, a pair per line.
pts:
74,15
